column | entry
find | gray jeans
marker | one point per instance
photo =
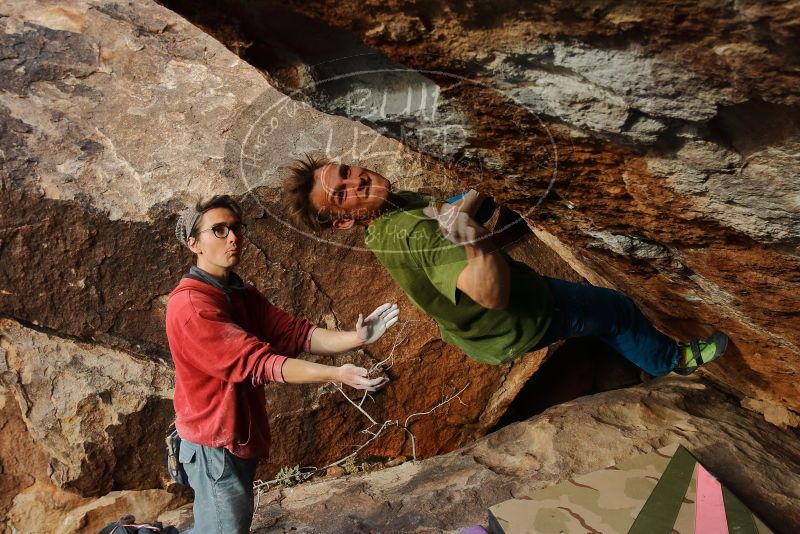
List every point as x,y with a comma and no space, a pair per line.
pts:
223,489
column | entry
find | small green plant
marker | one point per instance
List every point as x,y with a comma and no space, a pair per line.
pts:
289,476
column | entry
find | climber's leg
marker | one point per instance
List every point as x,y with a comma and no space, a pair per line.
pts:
583,310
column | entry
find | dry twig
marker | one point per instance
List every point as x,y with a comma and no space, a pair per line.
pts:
308,471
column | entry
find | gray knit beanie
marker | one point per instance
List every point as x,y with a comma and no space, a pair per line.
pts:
186,223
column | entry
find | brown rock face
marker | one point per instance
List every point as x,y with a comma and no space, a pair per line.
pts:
447,493
43,507
652,144
113,118
23,461
424,370
97,414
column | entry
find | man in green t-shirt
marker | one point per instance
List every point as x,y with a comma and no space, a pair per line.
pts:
493,308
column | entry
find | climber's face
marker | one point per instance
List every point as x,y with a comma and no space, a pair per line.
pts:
348,195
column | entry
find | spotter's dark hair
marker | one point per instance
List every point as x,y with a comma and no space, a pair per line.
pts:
217,201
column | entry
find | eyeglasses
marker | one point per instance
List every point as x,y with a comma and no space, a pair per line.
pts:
221,231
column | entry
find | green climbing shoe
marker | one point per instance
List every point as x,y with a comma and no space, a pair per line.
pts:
701,352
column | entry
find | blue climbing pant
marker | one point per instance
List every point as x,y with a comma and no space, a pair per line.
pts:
581,310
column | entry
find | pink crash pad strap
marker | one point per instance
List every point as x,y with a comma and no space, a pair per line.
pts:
709,515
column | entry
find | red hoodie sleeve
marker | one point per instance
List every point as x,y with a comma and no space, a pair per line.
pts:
216,345
289,335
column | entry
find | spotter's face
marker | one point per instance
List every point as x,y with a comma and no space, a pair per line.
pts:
216,255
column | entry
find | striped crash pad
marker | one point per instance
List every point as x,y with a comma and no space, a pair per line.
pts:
667,491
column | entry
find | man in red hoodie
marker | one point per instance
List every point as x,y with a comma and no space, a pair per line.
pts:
227,340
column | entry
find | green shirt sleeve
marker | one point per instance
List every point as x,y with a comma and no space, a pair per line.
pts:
441,260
